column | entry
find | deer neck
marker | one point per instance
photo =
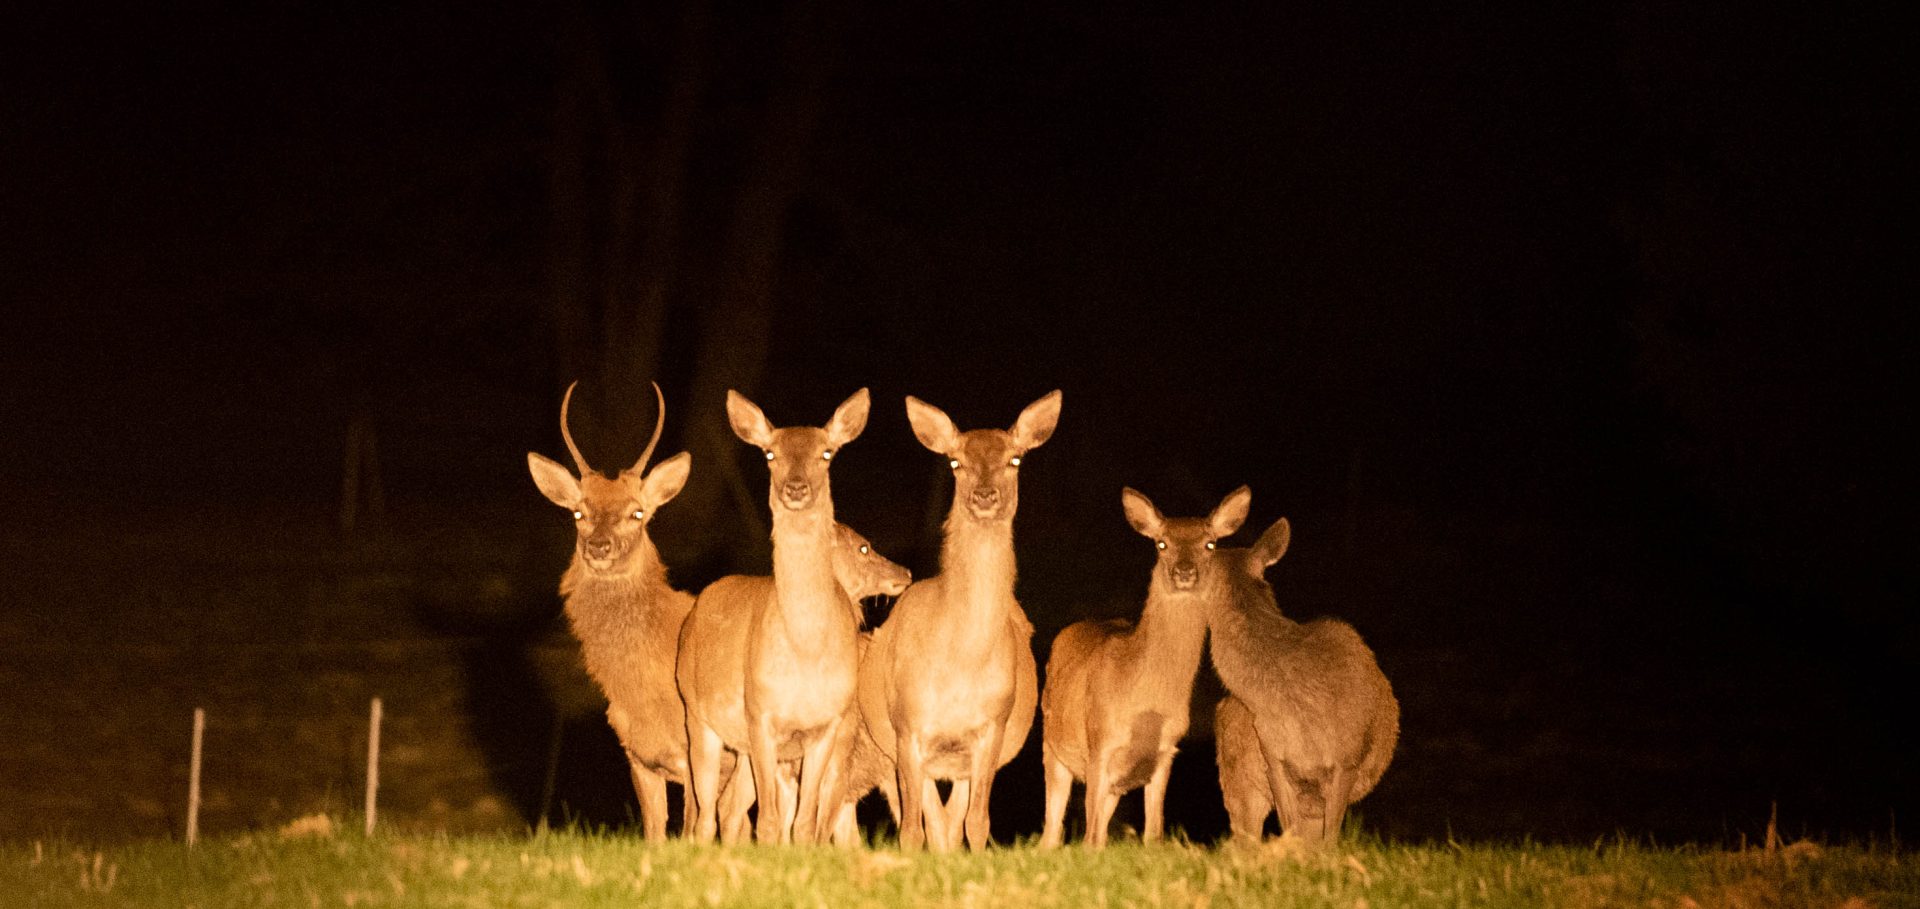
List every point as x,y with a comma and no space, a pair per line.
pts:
977,570
1172,630
612,608
809,596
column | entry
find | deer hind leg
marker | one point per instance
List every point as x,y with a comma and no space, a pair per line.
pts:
1059,788
651,789
769,826
1100,798
1286,798
820,772
959,796
1335,792
735,798
1156,795
703,781
913,794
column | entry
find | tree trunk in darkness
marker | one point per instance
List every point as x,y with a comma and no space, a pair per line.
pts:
735,335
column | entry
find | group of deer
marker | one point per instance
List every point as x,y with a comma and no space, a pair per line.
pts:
764,691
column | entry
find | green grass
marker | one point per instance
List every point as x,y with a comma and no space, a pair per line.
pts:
581,869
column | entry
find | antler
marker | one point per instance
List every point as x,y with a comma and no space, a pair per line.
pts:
659,423
579,461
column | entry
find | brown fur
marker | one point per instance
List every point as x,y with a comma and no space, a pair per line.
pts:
949,687
1115,705
624,612
1322,717
798,637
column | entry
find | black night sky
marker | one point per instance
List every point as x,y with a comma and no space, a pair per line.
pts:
1568,339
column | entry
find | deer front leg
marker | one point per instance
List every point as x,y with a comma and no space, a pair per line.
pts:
651,789
769,826
1156,795
1059,788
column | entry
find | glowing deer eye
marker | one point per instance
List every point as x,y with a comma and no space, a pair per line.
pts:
578,515
953,463
827,455
1209,544
1160,543
769,454
639,514
863,550
1014,461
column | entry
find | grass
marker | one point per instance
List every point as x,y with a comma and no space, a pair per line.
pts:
585,869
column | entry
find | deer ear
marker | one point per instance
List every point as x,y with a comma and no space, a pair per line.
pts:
555,482
849,419
747,421
1271,545
665,481
1230,513
932,427
1141,514
1036,423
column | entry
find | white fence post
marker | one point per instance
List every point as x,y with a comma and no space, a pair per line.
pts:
373,761
193,776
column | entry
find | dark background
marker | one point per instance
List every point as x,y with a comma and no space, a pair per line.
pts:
1569,340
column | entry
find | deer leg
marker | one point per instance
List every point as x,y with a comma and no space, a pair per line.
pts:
1098,798
1059,788
819,784
959,796
1156,796
934,813
736,796
1334,793
913,834
768,827
986,760
651,789
703,778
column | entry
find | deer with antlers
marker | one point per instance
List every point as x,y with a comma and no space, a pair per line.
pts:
797,667
948,688
621,607
1115,705
1310,722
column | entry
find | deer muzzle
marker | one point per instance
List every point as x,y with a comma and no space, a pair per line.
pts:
1183,576
796,494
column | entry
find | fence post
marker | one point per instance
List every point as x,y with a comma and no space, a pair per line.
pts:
193,776
373,762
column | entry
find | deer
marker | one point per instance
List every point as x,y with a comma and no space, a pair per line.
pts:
1310,722
621,607
1115,705
948,688
863,573
787,644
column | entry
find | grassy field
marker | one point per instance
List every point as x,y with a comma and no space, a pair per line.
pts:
328,867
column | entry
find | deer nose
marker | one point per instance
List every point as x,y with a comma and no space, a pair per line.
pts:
599,547
796,490
985,497
1184,575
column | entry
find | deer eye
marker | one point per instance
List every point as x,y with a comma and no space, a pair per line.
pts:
1209,544
827,455
953,463
1160,543
769,454
1014,461
640,514
863,550
578,514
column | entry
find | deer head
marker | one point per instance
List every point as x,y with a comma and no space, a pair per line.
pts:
985,462
862,571
1269,548
797,456
610,516
1187,545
